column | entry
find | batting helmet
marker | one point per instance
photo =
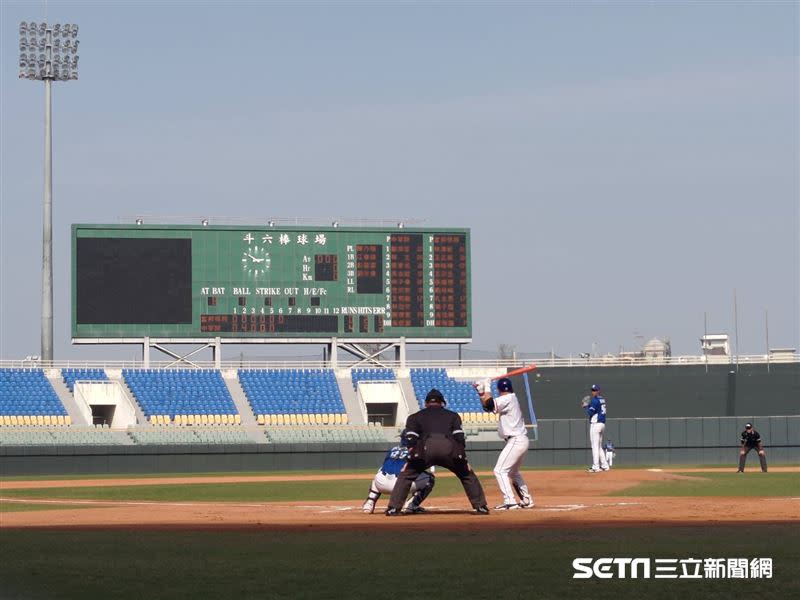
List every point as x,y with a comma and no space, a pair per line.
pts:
504,385
435,396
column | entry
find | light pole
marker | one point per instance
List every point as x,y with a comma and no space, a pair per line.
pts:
48,53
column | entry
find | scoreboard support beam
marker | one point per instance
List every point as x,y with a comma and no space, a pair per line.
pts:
333,354
365,355
214,344
401,349
361,348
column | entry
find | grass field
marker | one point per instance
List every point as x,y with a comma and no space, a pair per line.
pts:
21,507
534,563
256,491
755,484
240,563
699,484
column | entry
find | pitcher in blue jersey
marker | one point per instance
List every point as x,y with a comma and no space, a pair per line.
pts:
386,478
596,409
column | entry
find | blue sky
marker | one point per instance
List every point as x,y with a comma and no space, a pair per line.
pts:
623,167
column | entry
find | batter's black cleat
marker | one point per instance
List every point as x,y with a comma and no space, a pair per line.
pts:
392,512
482,510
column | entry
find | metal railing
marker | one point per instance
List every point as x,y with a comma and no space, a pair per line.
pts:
554,362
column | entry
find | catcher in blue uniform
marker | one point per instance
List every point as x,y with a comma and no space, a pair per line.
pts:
386,478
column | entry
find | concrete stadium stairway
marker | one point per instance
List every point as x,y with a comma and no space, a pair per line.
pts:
355,414
116,375
67,399
408,392
231,379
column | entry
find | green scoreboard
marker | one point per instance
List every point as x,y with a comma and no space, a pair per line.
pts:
281,282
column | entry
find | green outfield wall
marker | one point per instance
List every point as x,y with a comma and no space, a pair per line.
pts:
667,390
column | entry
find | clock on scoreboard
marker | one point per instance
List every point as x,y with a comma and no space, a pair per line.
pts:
269,282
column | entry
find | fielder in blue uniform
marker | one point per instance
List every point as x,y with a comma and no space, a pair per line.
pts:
386,478
596,410
608,447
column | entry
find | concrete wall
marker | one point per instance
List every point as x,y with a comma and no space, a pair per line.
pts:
647,441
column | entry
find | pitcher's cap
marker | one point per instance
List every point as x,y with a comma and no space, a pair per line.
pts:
595,388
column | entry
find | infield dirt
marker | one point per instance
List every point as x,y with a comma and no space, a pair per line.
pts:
563,499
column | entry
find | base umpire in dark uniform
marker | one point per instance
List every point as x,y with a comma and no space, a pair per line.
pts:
435,437
751,440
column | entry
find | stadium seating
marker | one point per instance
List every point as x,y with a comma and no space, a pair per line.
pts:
460,395
326,435
72,375
357,375
28,399
294,396
183,396
91,436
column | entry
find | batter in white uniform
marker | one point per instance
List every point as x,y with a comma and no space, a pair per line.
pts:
510,427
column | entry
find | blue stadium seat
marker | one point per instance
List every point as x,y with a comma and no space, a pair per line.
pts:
72,375
291,391
460,395
28,392
180,392
357,375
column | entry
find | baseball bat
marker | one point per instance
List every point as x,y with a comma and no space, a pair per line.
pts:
519,371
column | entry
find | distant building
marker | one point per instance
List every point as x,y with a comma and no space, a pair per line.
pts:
657,348
715,344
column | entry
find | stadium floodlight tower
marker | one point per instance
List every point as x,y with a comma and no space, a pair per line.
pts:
48,53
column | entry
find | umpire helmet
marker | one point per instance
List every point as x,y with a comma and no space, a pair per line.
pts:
504,385
435,396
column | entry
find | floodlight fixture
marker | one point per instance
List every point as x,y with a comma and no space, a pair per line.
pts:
45,57
42,44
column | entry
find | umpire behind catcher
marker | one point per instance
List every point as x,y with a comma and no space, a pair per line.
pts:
751,440
434,437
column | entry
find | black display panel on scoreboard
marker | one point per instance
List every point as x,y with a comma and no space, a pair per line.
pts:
133,281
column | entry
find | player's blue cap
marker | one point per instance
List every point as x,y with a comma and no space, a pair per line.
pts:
504,385
595,388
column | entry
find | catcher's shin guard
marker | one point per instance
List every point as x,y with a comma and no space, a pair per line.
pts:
422,493
373,494
763,458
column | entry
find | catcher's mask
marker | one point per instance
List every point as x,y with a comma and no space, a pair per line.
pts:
403,440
